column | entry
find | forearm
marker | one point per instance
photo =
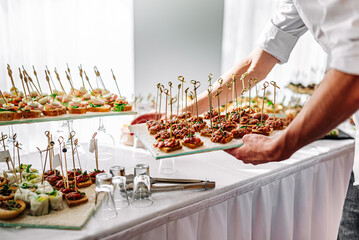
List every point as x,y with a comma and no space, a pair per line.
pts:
258,64
335,100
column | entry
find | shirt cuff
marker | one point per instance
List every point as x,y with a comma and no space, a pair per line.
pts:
276,42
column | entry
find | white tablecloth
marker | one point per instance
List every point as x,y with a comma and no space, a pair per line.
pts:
300,198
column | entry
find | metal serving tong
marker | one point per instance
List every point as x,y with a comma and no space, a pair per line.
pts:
179,184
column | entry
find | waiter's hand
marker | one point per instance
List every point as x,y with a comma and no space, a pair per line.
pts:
145,117
259,149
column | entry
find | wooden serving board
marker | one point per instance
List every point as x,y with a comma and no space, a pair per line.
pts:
141,132
69,218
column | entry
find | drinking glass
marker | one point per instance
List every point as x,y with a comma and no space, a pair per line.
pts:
167,166
142,169
117,171
141,196
104,201
120,192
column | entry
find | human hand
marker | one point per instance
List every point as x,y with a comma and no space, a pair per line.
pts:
258,149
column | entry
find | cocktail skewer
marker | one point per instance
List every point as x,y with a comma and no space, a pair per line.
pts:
48,82
228,89
27,85
166,93
69,72
191,96
172,101
250,81
235,91
218,93
98,75
52,81
12,80
159,107
22,82
58,78
156,103
64,150
69,79
265,85
88,81
3,138
2,96
178,98
61,140
48,135
26,76
274,84
255,83
37,79
17,145
243,87
95,148
82,77
170,85
71,137
181,79
30,80
118,89
77,153
185,118
210,89
196,85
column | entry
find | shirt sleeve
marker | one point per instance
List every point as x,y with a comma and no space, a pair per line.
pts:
282,33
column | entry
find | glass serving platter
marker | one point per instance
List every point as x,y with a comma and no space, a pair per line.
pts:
141,132
66,117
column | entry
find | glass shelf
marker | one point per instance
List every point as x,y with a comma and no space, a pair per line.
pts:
65,117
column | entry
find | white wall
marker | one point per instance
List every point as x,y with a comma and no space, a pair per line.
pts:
177,37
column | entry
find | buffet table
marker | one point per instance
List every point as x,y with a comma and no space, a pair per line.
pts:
300,198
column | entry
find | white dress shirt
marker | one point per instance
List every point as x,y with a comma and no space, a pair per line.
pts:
334,25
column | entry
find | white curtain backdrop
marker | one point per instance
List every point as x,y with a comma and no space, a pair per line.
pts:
55,32
243,23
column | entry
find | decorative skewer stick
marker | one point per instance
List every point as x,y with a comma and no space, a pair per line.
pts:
172,101
47,134
191,96
166,93
72,134
265,85
210,89
96,150
170,85
220,81
13,162
159,107
3,138
22,82
27,85
274,84
68,70
2,96
48,82
12,80
82,77
185,118
98,75
218,93
69,79
118,89
181,79
243,86
58,78
234,92
52,81
37,79
17,145
250,81
255,82
196,85
228,89
26,76
88,81
33,84
178,98
77,153
61,140
156,103
64,150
